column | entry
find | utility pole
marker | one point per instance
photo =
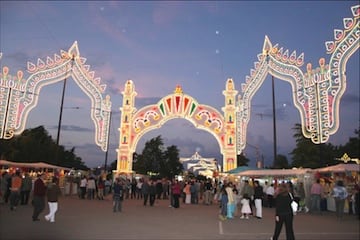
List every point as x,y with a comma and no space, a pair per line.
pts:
274,118
107,148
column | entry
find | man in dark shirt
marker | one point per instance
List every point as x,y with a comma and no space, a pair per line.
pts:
258,196
39,197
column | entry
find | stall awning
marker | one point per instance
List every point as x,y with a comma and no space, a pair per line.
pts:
240,169
275,172
342,167
31,165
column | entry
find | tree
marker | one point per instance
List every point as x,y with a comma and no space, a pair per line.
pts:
171,166
155,160
352,147
36,145
241,160
310,155
306,154
281,162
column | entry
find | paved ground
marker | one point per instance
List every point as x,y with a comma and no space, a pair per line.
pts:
94,219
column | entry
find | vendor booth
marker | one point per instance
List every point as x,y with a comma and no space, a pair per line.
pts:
40,167
348,173
275,176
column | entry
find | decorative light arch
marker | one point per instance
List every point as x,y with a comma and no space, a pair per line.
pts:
18,96
135,124
316,93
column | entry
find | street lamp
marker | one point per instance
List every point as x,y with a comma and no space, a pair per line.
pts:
274,117
61,110
107,145
259,162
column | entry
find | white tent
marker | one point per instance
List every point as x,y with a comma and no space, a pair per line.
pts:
342,167
275,172
31,165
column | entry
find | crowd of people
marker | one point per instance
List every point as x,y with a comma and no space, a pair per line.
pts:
18,188
244,199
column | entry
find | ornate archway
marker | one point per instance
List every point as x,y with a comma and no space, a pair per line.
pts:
135,124
18,95
316,92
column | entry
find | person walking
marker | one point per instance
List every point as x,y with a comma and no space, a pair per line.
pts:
118,195
26,187
339,193
138,189
187,193
316,192
176,191
101,187
258,196
15,189
53,192
223,203
91,188
231,201
5,186
302,197
39,196
270,191
208,187
145,188
284,213
83,184
249,191
152,193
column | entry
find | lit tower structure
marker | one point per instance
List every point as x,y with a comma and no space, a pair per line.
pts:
230,125
124,152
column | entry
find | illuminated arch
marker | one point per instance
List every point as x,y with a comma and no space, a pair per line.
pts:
316,93
19,96
135,123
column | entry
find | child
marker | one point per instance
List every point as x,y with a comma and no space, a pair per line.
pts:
245,209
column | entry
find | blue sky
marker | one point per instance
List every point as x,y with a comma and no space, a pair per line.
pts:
159,44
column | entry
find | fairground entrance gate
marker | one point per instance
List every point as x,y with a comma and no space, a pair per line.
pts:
316,94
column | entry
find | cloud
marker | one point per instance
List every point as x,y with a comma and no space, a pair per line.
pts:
92,156
71,128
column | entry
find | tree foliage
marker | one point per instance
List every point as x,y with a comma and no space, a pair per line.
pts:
241,160
36,145
157,160
309,155
281,162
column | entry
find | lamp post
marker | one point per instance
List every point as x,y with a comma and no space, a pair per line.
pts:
259,163
61,110
107,145
274,117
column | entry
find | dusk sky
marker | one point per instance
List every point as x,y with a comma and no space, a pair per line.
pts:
159,44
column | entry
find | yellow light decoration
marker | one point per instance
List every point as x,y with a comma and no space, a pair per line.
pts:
169,107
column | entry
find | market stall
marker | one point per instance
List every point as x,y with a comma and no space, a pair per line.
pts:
275,176
348,173
39,167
